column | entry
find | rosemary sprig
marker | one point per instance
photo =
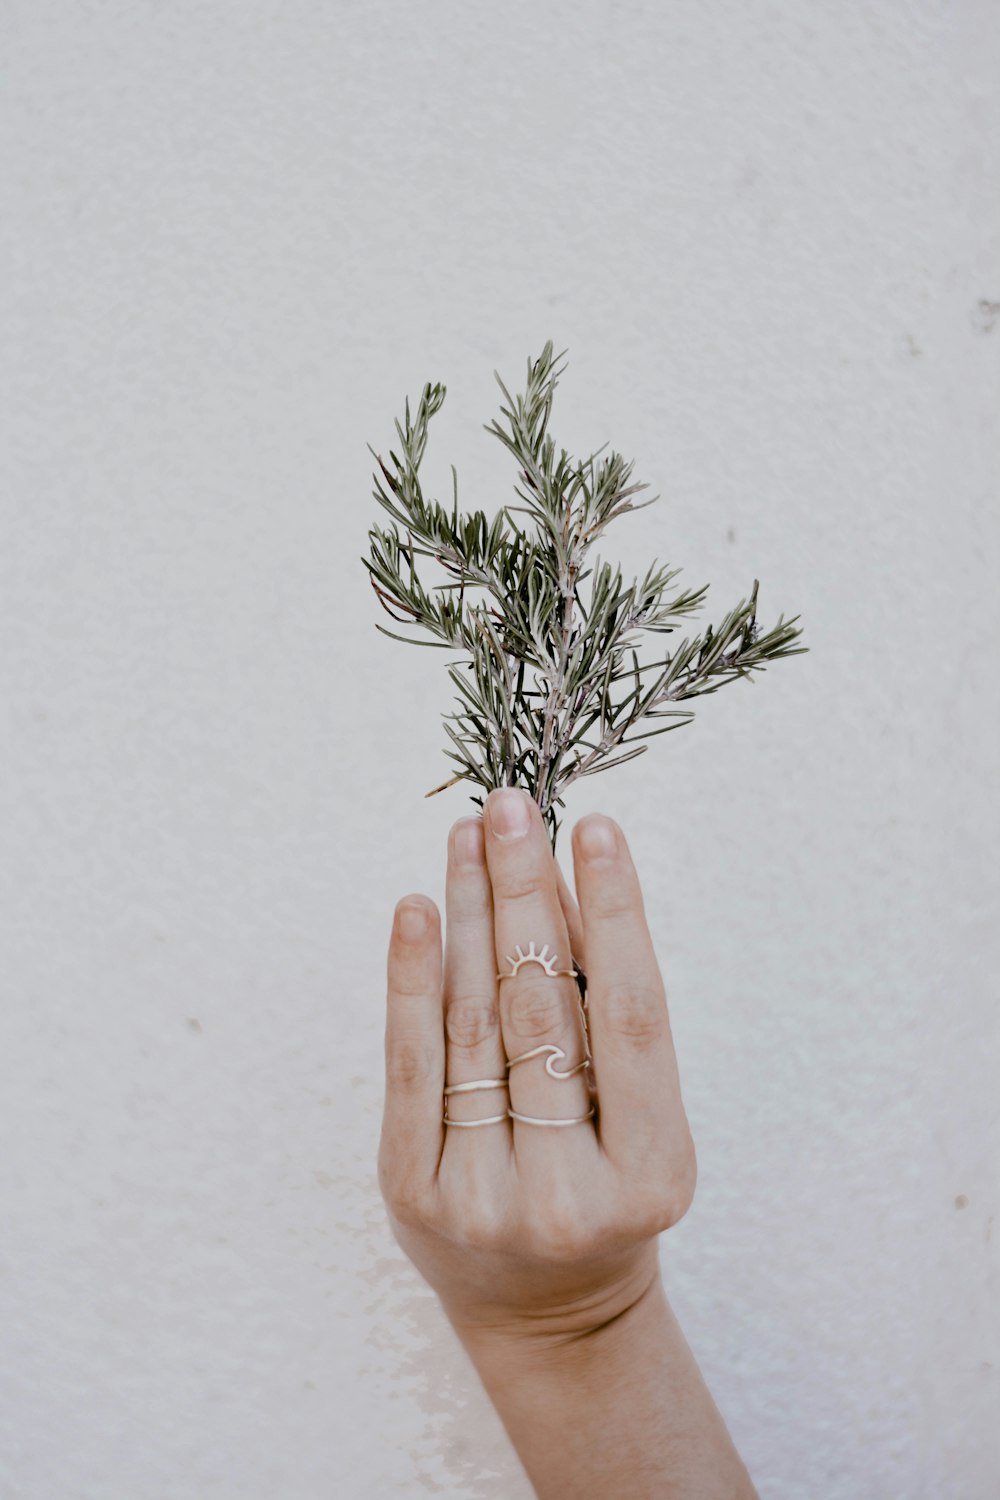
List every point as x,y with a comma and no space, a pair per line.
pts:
549,683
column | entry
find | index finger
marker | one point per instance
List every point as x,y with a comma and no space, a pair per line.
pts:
642,1123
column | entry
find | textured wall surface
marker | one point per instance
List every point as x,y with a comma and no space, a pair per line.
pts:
234,237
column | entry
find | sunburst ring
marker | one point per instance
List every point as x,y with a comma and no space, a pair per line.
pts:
543,958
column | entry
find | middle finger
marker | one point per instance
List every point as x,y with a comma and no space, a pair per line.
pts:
539,1006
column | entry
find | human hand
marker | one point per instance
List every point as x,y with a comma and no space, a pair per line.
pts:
517,1227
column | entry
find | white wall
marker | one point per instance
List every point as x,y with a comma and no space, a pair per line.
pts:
234,238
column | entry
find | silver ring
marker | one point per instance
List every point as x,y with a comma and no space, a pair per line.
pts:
478,1083
470,1124
471,1088
530,1119
554,1052
542,957
546,961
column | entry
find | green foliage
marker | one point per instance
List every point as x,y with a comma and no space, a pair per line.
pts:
549,684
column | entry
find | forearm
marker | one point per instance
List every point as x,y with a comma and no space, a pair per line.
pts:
619,1412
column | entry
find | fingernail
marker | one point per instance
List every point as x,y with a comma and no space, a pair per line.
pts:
510,816
469,843
598,839
412,923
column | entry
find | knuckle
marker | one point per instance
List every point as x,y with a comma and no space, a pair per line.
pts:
563,1233
469,907
405,1199
685,1178
409,1065
407,1209
407,985
660,1213
537,1008
408,980
522,880
667,1211
482,1225
664,1204
471,1021
635,1011
615,899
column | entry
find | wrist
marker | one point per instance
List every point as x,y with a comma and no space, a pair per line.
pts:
618,1408
589,1331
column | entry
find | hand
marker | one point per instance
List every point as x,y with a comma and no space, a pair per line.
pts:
518,1227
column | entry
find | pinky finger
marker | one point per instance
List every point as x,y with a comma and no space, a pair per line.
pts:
412,1126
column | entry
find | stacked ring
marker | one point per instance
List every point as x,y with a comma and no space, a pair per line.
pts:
470,1088
554,1053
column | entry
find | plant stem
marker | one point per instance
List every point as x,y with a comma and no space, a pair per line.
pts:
567,588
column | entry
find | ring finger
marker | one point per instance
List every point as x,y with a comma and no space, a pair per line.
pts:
475,1053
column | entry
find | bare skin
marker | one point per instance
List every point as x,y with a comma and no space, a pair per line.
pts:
542,1243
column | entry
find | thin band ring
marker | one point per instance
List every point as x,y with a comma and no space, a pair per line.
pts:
478,1083
471,1088
531,1120
471,1124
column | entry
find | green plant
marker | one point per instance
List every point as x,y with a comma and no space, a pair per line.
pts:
550,685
